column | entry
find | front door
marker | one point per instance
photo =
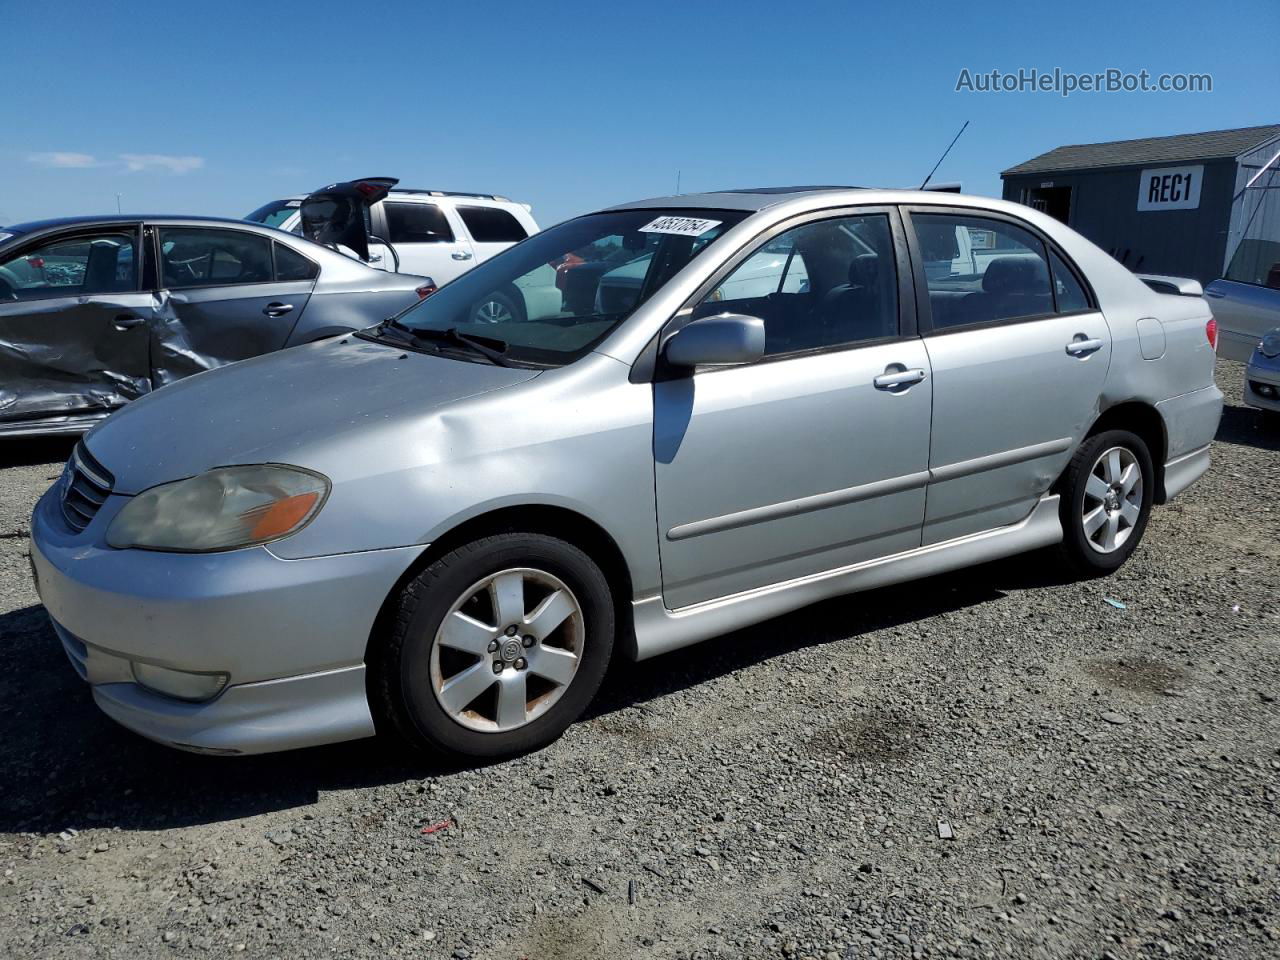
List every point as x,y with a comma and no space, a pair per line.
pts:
73,326
815,457
429,239
1019,353
225,295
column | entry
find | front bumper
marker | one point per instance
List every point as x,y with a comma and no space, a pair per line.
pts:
291,634
1262,372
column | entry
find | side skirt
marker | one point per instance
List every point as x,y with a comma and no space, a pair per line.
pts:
659,630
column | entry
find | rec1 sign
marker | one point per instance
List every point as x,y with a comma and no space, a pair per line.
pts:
1170,188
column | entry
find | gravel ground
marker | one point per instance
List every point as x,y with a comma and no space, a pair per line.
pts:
1112,777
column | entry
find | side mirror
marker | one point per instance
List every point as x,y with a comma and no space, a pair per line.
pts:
716,341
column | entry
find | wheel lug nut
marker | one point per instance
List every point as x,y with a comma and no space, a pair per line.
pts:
528,641
493,646
511,631
497,666
521,663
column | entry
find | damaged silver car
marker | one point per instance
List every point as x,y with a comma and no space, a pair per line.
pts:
98,311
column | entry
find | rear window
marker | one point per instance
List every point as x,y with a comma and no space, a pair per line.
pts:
275,213
491,225
417,223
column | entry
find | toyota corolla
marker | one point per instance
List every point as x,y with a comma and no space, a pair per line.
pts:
448,529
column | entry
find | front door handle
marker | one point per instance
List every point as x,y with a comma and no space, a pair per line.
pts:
1082,346
127,321
277,309
898,379
461,255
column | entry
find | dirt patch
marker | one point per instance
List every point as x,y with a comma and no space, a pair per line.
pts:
1138,675
872,738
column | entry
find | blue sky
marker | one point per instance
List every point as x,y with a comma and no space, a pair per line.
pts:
569,106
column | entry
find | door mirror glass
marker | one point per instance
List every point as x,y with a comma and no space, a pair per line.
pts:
729,338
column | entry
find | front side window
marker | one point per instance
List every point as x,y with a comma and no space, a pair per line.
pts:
827,284
197,257
491,225
552,298
981,271
87,264
417,223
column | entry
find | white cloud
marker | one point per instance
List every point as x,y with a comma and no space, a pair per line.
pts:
136,162
59,158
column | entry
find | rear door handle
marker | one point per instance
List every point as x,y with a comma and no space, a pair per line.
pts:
127,321
277,309
461,255
902,378
1082,347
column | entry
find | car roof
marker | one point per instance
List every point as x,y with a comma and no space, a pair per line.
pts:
753,199
33,226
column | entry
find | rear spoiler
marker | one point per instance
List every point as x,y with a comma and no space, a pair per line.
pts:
1178,286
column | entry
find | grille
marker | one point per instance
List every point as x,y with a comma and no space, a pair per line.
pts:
85,488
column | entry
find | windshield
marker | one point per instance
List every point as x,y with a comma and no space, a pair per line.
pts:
550,299
275,213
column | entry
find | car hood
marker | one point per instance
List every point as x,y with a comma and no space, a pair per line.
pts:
284,407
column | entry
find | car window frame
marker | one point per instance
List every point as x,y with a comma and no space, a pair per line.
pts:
925,309
83,230
649,365
452,222
158,253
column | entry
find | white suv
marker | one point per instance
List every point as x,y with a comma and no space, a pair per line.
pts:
434,233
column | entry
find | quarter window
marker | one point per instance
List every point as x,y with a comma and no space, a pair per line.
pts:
491,225
193,257
291,265
74,266
1257,262
821,285
1067,292
417,223
981,271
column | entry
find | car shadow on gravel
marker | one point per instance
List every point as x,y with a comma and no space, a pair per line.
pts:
1248,427
66,765
27,451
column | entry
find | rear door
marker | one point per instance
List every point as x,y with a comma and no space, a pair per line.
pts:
73,325
1019,353
492,229
429,239
225,295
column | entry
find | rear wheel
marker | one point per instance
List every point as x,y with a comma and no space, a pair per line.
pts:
496,647
1106,501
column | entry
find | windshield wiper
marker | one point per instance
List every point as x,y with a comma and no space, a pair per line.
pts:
494,354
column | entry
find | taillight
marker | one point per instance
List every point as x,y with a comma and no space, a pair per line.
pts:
426,290
1211,331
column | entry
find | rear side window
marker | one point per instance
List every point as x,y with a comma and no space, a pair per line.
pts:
291,265
195,257
417,223
75,266
1256,262
1067,292
982,271
491,225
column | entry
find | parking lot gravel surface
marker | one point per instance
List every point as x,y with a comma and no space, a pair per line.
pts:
1106,754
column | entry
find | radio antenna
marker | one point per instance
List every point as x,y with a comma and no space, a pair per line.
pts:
943,157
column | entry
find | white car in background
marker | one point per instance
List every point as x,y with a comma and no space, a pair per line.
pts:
435,233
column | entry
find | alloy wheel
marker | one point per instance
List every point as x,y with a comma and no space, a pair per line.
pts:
507,650
1112,500
493,311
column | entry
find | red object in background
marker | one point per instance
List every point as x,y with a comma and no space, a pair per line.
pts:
1211,331
437,827
426,290
563,266
37,262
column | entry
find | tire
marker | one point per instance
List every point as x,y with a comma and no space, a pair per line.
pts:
497,307
423,671
1092,483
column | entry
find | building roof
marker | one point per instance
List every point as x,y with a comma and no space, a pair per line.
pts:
1213,145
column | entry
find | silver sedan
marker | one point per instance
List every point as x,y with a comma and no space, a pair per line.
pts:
448,529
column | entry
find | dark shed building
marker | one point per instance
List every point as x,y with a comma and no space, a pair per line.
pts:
1175,205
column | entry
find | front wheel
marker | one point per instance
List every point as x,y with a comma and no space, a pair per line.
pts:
1106,501
497,308
496,647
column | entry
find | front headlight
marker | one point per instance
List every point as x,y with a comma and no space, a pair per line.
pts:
1270,345
223,509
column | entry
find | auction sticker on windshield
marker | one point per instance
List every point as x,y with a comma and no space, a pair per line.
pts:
680,226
